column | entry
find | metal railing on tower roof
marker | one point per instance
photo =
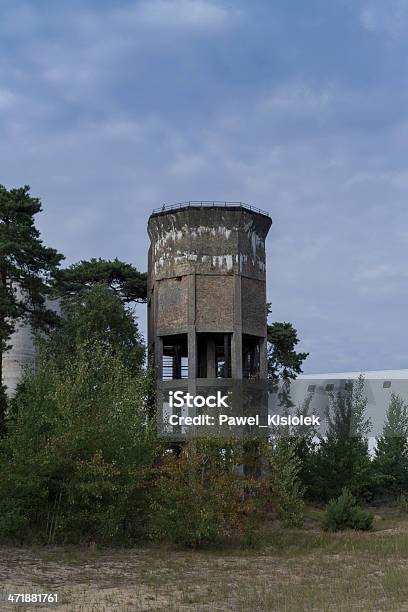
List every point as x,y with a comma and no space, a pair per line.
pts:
208,204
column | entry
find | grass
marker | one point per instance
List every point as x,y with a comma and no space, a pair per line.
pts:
293,569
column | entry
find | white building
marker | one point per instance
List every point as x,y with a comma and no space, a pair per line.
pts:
378,387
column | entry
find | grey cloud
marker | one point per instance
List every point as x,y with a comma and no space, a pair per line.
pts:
326,158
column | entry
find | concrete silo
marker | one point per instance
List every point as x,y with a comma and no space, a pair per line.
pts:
21,354
207,298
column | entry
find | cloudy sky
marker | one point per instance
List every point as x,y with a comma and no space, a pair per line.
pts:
111,108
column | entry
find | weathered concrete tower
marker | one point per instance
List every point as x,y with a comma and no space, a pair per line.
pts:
23,351
22,354
207,298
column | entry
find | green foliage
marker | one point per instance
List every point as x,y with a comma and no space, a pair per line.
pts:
73,466
284,363
303,440
286,489
96,316
199,498
403,502
123,278
342,458
4,408
341,462
396,423
24,262
344,513
391,455
304,437
296,447
346,411
26,268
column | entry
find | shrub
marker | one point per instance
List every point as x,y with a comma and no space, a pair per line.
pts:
342,458
199,497
286,489
96,315
344,513
403,502
342,462
73,466
391,455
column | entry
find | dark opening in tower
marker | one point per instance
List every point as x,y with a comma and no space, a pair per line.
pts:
175,357
214,355
251,352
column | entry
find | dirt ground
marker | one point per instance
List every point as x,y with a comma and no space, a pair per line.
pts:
304,569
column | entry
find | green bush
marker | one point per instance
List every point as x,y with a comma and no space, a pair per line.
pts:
199,498
391,454
344,513
74,465
285,488
403,502
342,458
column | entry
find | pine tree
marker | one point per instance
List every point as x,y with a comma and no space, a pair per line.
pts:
304,438
286,488
391,455
343,458
27,268
284,363
123,278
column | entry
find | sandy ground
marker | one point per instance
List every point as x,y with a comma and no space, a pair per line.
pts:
291,570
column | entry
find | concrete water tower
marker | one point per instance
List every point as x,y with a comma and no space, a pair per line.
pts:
207,298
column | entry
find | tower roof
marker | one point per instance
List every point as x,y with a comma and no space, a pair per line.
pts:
224,205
